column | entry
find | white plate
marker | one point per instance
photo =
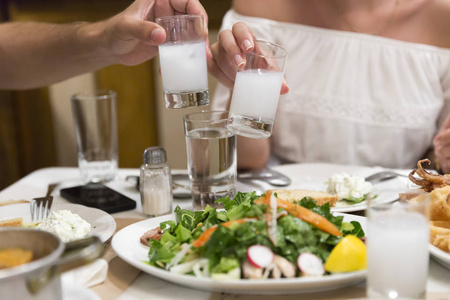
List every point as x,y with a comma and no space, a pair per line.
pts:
314,176
127,246
103,224
440,256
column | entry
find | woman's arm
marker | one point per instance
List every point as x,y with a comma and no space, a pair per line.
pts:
252,153
441,144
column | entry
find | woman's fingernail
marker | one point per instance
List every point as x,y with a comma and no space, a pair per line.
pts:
238,60
247,45
156,35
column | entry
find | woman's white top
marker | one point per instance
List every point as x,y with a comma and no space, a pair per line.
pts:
354,98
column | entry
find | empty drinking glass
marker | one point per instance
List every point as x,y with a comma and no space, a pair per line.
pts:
95,121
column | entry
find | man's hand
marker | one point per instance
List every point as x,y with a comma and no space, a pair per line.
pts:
441,144
132,37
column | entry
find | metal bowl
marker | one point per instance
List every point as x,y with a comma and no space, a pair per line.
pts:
39,279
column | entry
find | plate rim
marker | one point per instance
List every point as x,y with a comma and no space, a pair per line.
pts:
439,255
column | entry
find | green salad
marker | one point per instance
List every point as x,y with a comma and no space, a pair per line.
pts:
256,236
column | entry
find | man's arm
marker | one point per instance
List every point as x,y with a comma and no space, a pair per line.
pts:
37,54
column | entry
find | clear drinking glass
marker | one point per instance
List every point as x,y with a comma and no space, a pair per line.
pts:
257,90
95,121
211,157
397,248
183,61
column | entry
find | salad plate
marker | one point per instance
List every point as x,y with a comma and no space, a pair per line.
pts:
127,246
314,176
440,256
103,224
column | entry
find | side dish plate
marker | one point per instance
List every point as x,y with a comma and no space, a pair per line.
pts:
103,224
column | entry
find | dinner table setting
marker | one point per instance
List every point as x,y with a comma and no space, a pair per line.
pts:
215,231
121,274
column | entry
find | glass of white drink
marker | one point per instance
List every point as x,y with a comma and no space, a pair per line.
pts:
182,59
257,90
397,249
211,157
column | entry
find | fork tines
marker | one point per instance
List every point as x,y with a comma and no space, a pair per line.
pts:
40,208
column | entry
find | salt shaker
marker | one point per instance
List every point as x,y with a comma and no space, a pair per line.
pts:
156,183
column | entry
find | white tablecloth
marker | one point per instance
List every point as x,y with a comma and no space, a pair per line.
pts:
150,287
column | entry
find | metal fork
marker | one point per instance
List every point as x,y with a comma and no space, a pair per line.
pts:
40,207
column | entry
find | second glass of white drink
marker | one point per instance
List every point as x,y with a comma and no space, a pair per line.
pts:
257,90
183,61
397,248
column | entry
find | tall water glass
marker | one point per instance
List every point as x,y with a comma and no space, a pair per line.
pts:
211,157
95,121
183,61
397,249
257,90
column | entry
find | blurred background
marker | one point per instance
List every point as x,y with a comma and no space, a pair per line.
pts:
36,126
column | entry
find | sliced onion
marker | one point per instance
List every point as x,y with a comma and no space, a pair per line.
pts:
201,268
188,266
177,258
272,224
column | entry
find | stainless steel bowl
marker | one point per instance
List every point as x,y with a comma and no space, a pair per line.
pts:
40,278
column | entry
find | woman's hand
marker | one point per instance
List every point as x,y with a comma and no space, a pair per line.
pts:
441,144
228,54
132,37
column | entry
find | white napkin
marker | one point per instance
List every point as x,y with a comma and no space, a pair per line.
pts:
87,275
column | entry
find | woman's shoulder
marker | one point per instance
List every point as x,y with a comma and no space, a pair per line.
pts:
436,20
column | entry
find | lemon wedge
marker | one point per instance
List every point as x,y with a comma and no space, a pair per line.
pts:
349,255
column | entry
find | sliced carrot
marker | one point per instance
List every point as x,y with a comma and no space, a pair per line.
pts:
206,235
309,216
261,200
304,214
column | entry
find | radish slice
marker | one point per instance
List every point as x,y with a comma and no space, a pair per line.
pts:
310,264
260,256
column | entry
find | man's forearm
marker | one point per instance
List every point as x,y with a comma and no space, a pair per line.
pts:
38,54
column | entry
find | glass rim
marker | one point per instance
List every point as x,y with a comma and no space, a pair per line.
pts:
178,17
187,117
94,95
275,45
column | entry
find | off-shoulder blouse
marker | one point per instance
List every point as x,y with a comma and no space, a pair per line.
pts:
354,98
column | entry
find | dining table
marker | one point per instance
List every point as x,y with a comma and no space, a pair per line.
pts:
124,281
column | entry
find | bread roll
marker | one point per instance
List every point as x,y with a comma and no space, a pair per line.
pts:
15,222
297,195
